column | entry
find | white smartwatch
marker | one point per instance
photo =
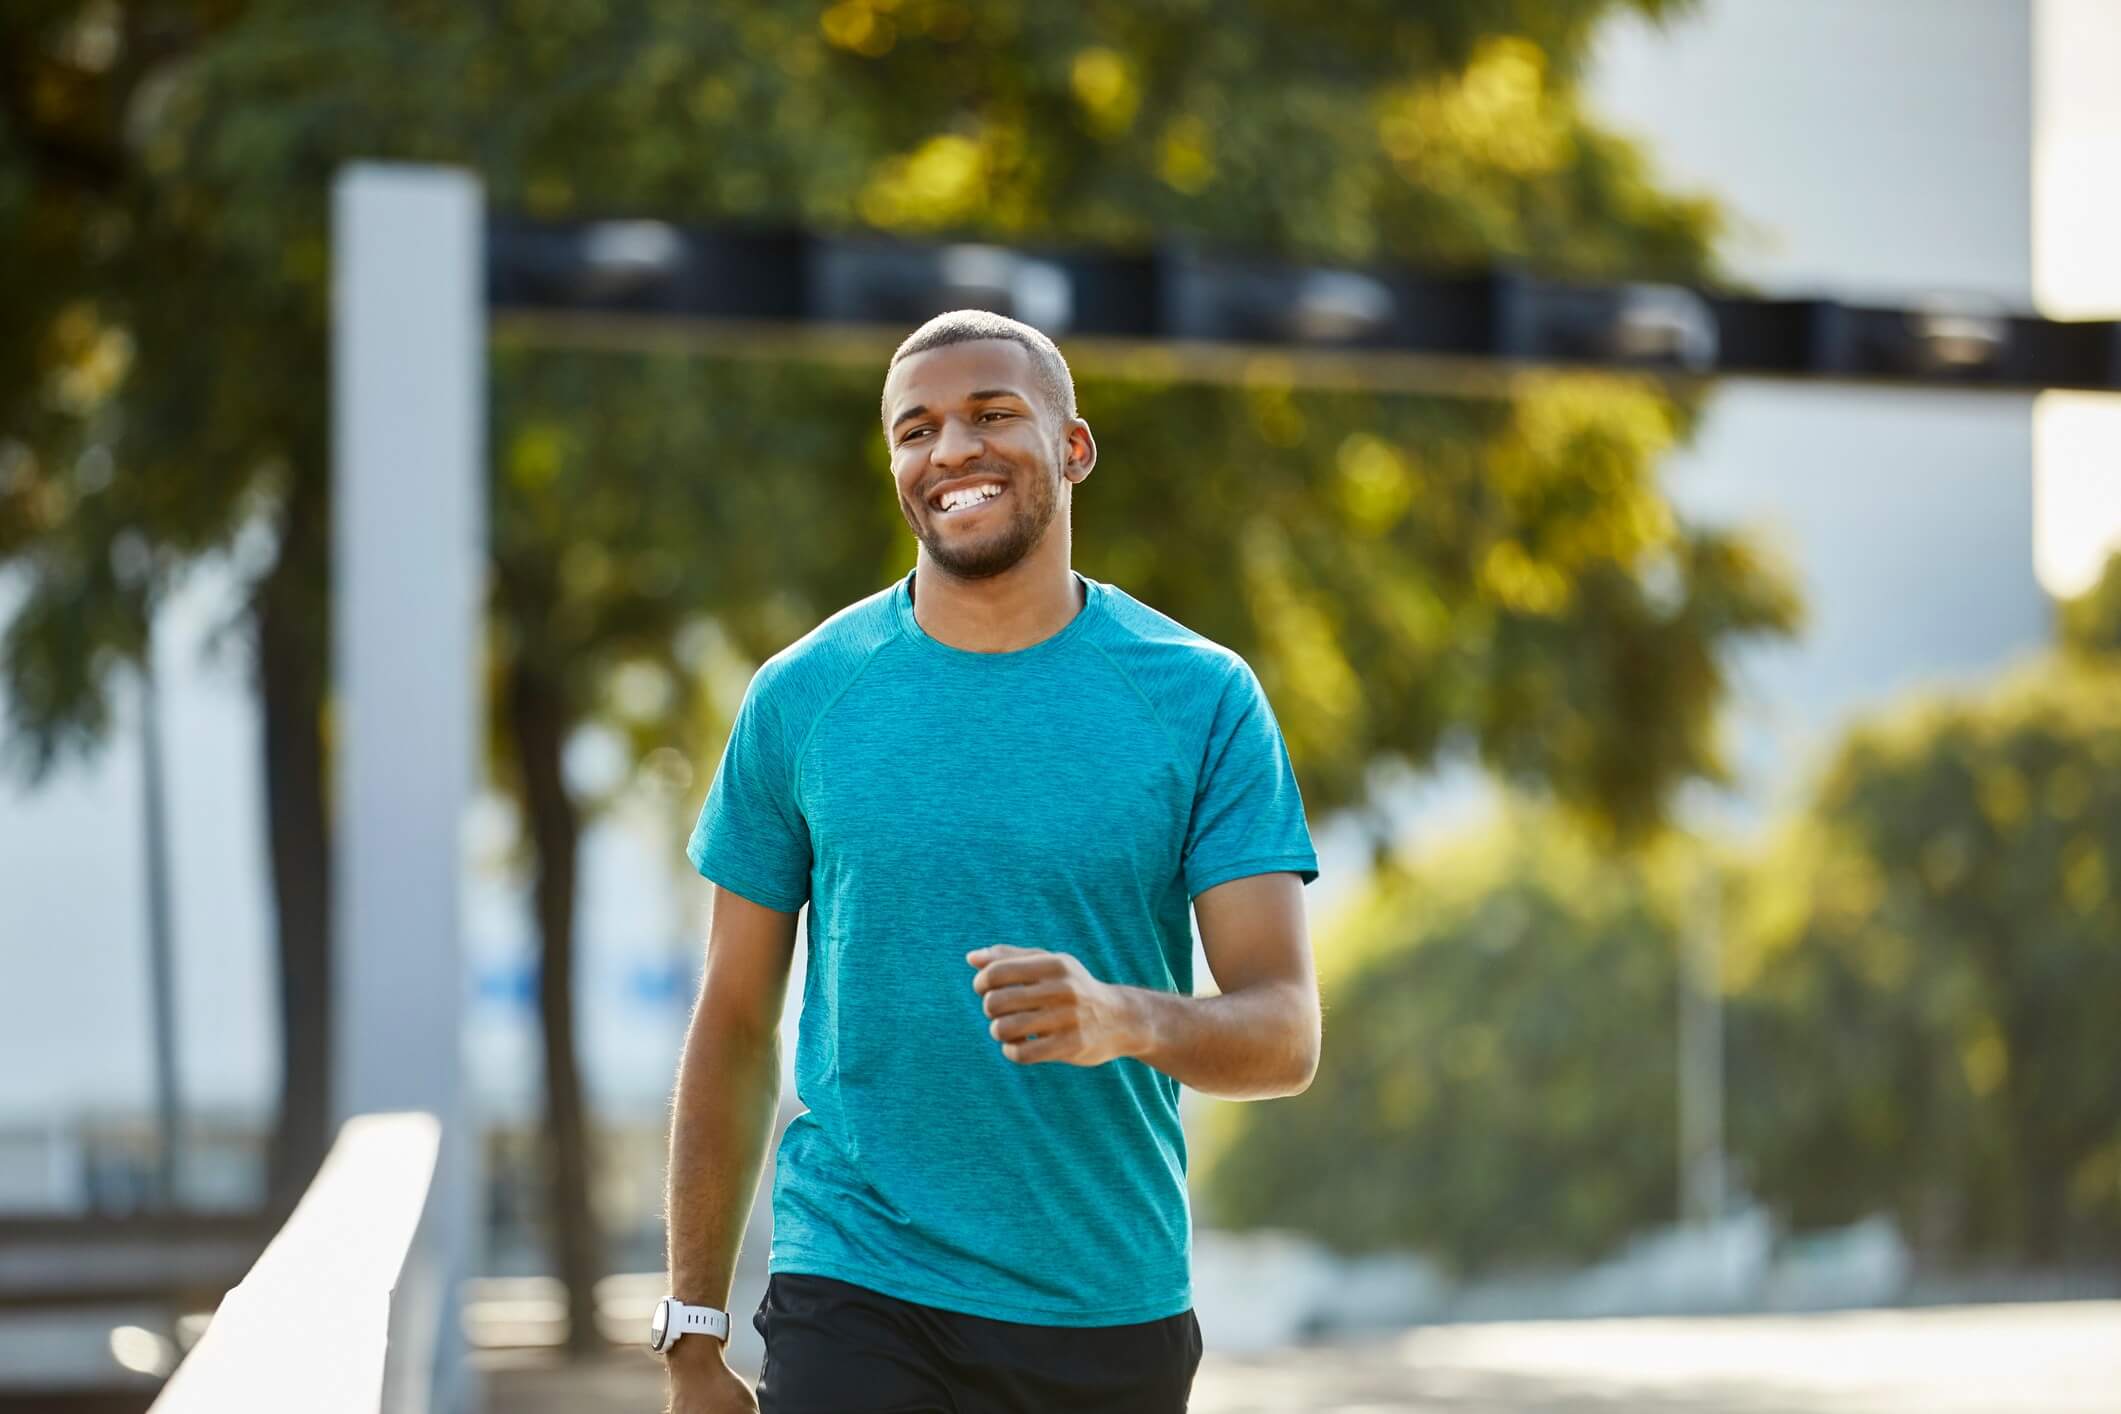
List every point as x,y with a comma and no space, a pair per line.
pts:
673,1319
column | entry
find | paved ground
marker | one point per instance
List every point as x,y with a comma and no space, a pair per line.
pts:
2062,1358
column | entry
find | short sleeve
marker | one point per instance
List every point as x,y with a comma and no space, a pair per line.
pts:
1248,817
751,837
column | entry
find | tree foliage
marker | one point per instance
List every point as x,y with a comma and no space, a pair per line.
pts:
165,169
1931,959
2090,623
1497,1080
1401,571
1919,973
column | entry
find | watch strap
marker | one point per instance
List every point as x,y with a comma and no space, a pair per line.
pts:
698,1320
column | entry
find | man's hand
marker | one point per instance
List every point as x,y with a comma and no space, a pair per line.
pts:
707,1386
1051,996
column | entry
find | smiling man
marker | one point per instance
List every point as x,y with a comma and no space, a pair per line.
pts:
1000,786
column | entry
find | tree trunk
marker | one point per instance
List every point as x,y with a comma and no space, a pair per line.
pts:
538,714
293,666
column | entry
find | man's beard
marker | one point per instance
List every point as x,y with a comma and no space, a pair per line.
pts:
990,551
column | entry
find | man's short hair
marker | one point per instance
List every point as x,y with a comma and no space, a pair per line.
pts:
962,326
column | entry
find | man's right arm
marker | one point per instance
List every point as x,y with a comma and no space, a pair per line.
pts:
728,1095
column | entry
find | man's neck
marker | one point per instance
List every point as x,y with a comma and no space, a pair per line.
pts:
1015,609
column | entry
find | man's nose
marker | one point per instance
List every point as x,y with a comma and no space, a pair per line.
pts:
956,442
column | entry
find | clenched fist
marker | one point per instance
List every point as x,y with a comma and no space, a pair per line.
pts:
1045,1006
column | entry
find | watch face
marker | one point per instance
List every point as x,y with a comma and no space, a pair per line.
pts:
659,1325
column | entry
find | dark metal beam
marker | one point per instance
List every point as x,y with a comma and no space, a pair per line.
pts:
621,280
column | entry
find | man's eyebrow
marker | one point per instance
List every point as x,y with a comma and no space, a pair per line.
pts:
981,395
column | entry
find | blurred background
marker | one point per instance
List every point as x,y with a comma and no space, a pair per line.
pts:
1717,782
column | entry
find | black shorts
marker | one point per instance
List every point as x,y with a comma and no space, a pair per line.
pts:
836,1348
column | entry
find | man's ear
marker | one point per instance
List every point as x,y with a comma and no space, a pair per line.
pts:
1079,452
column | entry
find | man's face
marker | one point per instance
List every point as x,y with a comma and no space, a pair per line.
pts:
971,416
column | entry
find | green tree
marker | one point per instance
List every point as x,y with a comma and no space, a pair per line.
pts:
1405,571
160,395
1498,1077
1929,959
2090,623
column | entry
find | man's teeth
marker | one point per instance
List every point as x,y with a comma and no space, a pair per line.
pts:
971,496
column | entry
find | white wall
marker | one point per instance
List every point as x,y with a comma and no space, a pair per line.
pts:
1873,147
2076,233
2077,152
1907,519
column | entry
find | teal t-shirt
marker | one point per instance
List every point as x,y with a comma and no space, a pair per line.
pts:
925,800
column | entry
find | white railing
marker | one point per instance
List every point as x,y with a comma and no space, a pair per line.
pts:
310,1327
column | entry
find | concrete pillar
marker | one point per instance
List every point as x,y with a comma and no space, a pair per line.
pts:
408,454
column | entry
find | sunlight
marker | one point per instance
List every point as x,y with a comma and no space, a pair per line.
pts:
2076,150
2076,488
2076,232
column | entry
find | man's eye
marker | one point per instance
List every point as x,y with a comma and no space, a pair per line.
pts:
913,434
994,412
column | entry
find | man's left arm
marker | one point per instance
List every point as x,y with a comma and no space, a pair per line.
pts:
1258,1039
